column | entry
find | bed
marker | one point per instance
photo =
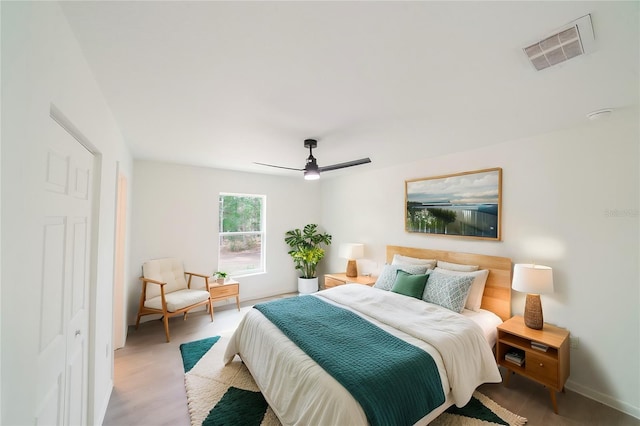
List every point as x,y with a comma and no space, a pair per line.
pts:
302,392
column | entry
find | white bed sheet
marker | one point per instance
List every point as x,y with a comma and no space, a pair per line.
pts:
299,390
488,322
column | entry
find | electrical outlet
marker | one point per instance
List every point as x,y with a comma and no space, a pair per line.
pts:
574,342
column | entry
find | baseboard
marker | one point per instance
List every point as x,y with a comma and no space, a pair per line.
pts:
603,398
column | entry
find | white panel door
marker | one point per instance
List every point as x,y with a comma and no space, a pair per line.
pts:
61,394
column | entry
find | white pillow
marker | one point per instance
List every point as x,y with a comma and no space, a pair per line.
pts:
399,259
448,291
474,299
457,266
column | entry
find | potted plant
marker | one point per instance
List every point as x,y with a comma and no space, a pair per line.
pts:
307,252
220,277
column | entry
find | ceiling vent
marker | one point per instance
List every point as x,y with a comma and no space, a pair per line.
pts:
574,39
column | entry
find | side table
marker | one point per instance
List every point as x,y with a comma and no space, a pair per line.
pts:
230,288
549,367
332,280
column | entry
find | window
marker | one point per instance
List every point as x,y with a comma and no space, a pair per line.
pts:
242,234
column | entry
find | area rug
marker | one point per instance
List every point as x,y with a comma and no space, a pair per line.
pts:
227,395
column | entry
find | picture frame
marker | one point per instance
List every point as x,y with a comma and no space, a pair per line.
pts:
467,205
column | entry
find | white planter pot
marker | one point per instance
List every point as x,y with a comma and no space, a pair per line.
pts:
307,285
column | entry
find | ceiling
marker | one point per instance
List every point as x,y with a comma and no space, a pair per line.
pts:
226,84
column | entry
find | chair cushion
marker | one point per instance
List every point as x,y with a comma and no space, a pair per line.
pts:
178,299
168,270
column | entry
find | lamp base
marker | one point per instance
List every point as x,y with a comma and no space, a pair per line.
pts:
352,268
533,312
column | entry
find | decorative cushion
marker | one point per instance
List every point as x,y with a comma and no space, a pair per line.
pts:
178,299
410,285
168,270
474,299
387,277
448,291
457,266
399,259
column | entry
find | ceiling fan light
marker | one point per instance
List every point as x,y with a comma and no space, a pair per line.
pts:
311,175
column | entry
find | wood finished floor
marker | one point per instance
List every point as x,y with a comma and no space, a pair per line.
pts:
149,381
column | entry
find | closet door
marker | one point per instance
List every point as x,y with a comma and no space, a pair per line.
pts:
61,394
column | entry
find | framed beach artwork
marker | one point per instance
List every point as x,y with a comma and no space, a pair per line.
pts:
461,205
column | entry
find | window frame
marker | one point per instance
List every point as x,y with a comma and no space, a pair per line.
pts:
262,233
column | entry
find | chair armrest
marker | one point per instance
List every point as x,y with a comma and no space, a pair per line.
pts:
197,275
149,280
192,274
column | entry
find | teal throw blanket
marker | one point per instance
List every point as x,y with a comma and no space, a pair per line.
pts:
394,382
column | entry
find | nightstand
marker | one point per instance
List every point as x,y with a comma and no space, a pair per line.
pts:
550,367
332,280
230,288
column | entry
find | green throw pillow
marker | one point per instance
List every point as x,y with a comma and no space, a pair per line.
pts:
388,275
410,285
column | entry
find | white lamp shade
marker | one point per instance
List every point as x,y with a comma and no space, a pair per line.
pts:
351,251
534,279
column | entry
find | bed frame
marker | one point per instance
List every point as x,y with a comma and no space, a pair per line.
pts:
497,291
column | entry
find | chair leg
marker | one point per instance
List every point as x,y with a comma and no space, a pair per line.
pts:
211,309
166,327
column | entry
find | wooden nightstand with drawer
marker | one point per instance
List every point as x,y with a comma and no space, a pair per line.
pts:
549,367
230,288
332,280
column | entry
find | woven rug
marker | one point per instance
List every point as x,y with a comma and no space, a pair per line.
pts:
227,395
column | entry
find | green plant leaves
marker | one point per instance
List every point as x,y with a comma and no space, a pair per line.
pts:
305,248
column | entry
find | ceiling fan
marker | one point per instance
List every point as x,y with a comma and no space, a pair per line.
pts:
311,169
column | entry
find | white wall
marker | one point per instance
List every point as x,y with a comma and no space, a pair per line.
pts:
570,201
175,214
42,65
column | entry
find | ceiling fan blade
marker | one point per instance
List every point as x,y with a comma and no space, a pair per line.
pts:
280,167
343,165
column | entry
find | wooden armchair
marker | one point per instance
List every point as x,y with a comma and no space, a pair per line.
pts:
169,294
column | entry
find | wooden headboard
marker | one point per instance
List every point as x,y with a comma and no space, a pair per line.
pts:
497,291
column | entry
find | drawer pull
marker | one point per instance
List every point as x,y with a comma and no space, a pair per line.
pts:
541,365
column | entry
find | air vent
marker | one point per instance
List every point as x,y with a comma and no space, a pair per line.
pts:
572,40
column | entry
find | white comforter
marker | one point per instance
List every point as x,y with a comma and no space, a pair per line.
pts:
301,392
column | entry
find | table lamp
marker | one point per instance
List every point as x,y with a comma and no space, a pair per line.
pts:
351,252
533,280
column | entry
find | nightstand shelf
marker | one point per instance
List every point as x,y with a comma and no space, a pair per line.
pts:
525,344
333,280
550,368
